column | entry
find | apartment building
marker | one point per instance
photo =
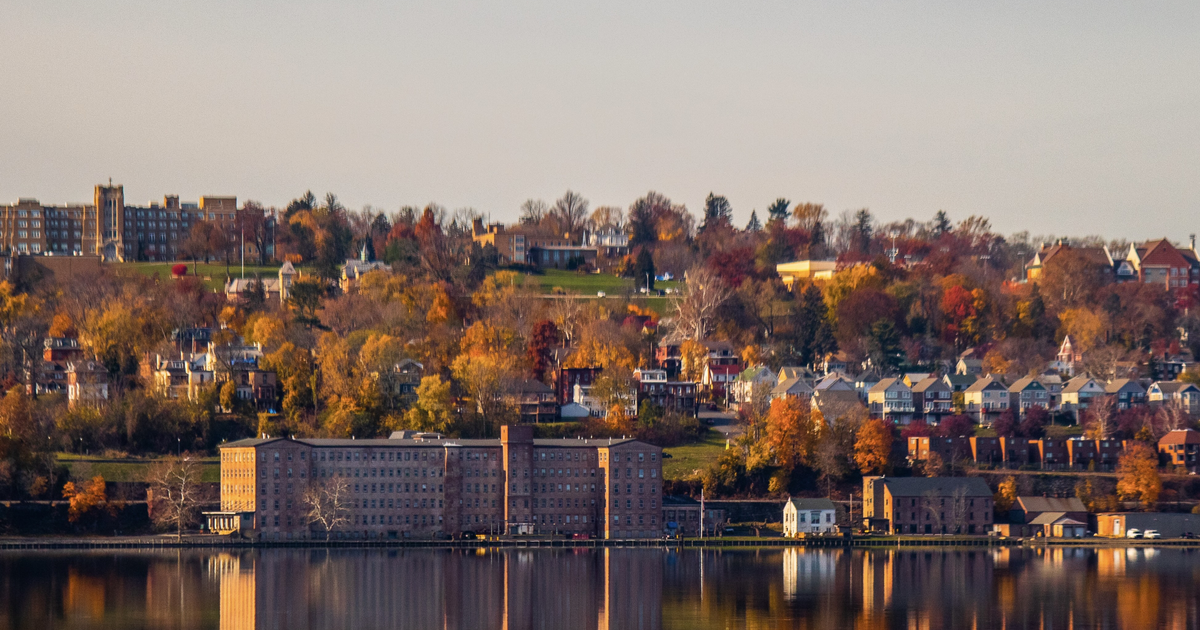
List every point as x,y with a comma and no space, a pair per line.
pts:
927,505
111,229
429,486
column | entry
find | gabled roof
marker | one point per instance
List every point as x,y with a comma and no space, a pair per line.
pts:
1078,383
833,382
795,386
1180,436
960,380
812,504
987,382
886,384
789,371
1174,387
1051,504
1023,384
1047,518
1119,384
936,486
930,382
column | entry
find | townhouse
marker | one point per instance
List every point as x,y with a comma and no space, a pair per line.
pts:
932,400
891,400
986,399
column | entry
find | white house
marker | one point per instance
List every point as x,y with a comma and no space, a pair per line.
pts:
809,516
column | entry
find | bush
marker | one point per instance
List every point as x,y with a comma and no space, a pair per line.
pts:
179,270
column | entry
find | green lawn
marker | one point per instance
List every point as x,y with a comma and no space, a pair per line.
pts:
213,273
589,283
687,459
132,469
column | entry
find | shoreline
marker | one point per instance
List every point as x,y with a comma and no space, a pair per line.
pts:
214,542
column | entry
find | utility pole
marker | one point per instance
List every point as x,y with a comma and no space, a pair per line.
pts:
701,513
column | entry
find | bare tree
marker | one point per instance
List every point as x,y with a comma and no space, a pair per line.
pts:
328,504
704,292
567,313
176,492
935,506
533,211
570,211
1101,413
958,511
608,215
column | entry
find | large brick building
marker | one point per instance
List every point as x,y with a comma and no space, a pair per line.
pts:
434,486
927,505
110,228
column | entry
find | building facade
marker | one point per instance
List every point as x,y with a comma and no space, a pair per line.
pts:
427,487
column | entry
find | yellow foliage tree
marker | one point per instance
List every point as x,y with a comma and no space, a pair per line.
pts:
1084,326
434,410
591,352
693,357
791,432
91,499
1006,494
1137,474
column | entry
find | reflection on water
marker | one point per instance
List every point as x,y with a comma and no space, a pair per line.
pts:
606,588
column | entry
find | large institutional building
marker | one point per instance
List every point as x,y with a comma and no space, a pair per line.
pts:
433,486
108,227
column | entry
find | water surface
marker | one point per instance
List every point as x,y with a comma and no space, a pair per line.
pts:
601,588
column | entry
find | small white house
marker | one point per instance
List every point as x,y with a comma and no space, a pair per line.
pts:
809,516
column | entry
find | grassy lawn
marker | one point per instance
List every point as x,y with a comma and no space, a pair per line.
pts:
132,469
687,459
590,283
213,272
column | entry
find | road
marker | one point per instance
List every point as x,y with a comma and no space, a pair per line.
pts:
724,422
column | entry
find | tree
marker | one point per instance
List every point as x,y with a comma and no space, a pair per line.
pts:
1137,474
1099,418
693,357
434,408
328,504
941,224
176,492
863,231
1006,424
934,465
956,426
778,210
812,334
703,293
570,212
89,501
533,211
873,446
1034,424
809,215
542,341
790,432
717,211
883,344
305,298
643,269
754,225
1006,494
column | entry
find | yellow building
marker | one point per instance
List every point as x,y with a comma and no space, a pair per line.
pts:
791,272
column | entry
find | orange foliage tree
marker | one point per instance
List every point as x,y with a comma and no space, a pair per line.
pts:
873,446
791,433
1137,474
91,499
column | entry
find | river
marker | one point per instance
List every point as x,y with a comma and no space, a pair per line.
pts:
642,588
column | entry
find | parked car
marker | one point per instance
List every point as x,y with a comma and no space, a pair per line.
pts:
600,294
1152,533
1189,536
1133,533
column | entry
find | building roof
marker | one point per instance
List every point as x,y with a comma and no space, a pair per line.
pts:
1047,518
987,382
1022,384
886,384
1173,387
1051,504
431,442
929,382
812,504
794,386
1078,383
939,486
1118,384
1180,436
960,380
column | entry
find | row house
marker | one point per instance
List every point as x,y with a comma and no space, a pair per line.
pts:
1175,394
672,396
1180,448
932,399
891,400
181,379
986,399
428,486
569,377
1015,452
1160,262
834,397
1027,392
1127,393
722,369
759,377
1079,393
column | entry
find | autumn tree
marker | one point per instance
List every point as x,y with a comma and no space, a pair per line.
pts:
693,358
542,341
1137,474
328,504
703,293
1006,494
790,432
873,446
176,492
434,409
88,502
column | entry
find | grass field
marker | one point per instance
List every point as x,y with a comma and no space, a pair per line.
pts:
132,469
214,274
686,460
590,283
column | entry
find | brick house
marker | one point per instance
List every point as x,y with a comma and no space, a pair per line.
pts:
927,505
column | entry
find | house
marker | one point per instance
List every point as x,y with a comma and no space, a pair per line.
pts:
969,366
398,384
355,268
1179,448
598,408
927,505
49,374
277,288
1078,393
530,245
959,383
790,371
535,401
759,378
1169,525
1053,385
87,384
676,396
986,398
891,400
1160,262
1059,525
1027,392
834,398
805,270
809,516
795,387
609,241
1127,392
1069,359
1176,394
1026,508
568,378
181,378
932,400
867,379
1100,257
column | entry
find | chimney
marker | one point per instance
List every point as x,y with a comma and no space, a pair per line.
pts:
1192,241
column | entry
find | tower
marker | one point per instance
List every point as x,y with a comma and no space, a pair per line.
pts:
102,233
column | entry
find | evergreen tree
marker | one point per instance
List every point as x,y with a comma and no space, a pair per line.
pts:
643,269
753,225
716,210
641,225
369,245
816,242
883,344
812,334
941,223
778,210
863,230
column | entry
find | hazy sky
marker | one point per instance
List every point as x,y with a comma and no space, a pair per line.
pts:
1055,117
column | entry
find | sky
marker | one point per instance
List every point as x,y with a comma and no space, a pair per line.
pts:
1068,118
